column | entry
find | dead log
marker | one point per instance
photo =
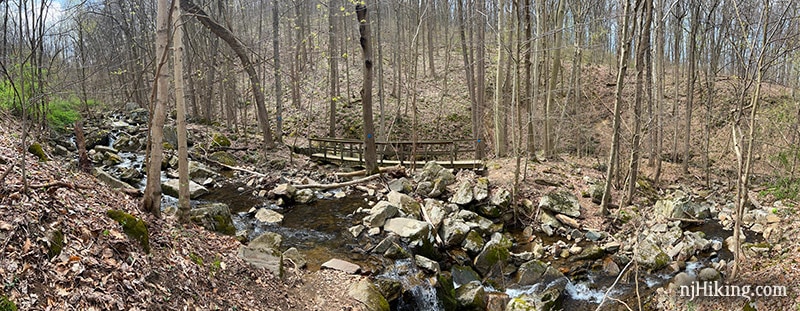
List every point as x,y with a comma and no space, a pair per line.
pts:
390,170
234,168
337,185
568,221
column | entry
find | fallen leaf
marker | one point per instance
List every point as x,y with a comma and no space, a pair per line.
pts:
74,258
27,246
5,226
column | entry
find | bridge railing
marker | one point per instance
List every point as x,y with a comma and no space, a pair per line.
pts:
402,151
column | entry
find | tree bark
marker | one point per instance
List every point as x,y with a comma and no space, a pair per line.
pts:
240,50
334,68
370,158
641,61
180,105
276,54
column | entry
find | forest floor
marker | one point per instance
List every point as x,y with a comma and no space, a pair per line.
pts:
60,251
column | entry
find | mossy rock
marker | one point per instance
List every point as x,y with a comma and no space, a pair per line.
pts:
223,157
219,140
36,149
446,292
167,146
56,244
6,304
134,227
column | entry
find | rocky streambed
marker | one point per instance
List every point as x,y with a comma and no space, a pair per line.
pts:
443,241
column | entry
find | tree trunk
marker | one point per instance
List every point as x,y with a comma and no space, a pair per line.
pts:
641,60
623,67
480,83
333,56
240,50
180,105
554,70
151,200
690,85
276,54
370,158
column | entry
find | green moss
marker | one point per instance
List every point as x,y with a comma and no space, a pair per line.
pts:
134,227
6,304
220,140
661,261
223,157
446,292
167,146
224,225
56,244
36,149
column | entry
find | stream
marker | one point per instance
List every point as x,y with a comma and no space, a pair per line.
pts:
319,230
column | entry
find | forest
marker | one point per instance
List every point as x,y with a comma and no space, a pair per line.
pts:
399,155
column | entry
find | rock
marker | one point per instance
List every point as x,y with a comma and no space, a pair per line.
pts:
171,136
481,190
424,188
111,181
535,271
170,187
267,240
391,289
223,157
304,196
131,175
596,192
379,213
356,230
384,244
436,211
610,267
548,222
395,252
270,259
285,191
495,254
110,159
473,242
681,279
407,228
214,217
501,198
427,264
471,296
96,137
373,231
496,301
592,252
594,236
341,265
489,210
611,247
269,216
127,143
446,292
454,230
650,255
101,149
568,221
294,255
401,185
477,222
198,171
463,195
463,275
220,140
708,274
546,299
368,294
561,202
405,204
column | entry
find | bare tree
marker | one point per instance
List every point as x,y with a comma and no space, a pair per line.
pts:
370,157
180,105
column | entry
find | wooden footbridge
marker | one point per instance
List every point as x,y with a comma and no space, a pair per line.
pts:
448,153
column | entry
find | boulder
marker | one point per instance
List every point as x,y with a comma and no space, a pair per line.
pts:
270,259
131,175
495,254
547,299
223,157
405,204
111,181
489,210
548,222
391,289
651,256
427,264
102,148
476,222
341,265
463,275
171,136
170,187
500,197
592,252
214,217
220,140
561,202
471,296
496,301
379,213
198,171
446,292
285,192
536,271
708,274
97,137
596,192
438,177
407,228
296,257
481,190
473,242
304,196
436,211
454,230
401,185
368,294
464,194
269,216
